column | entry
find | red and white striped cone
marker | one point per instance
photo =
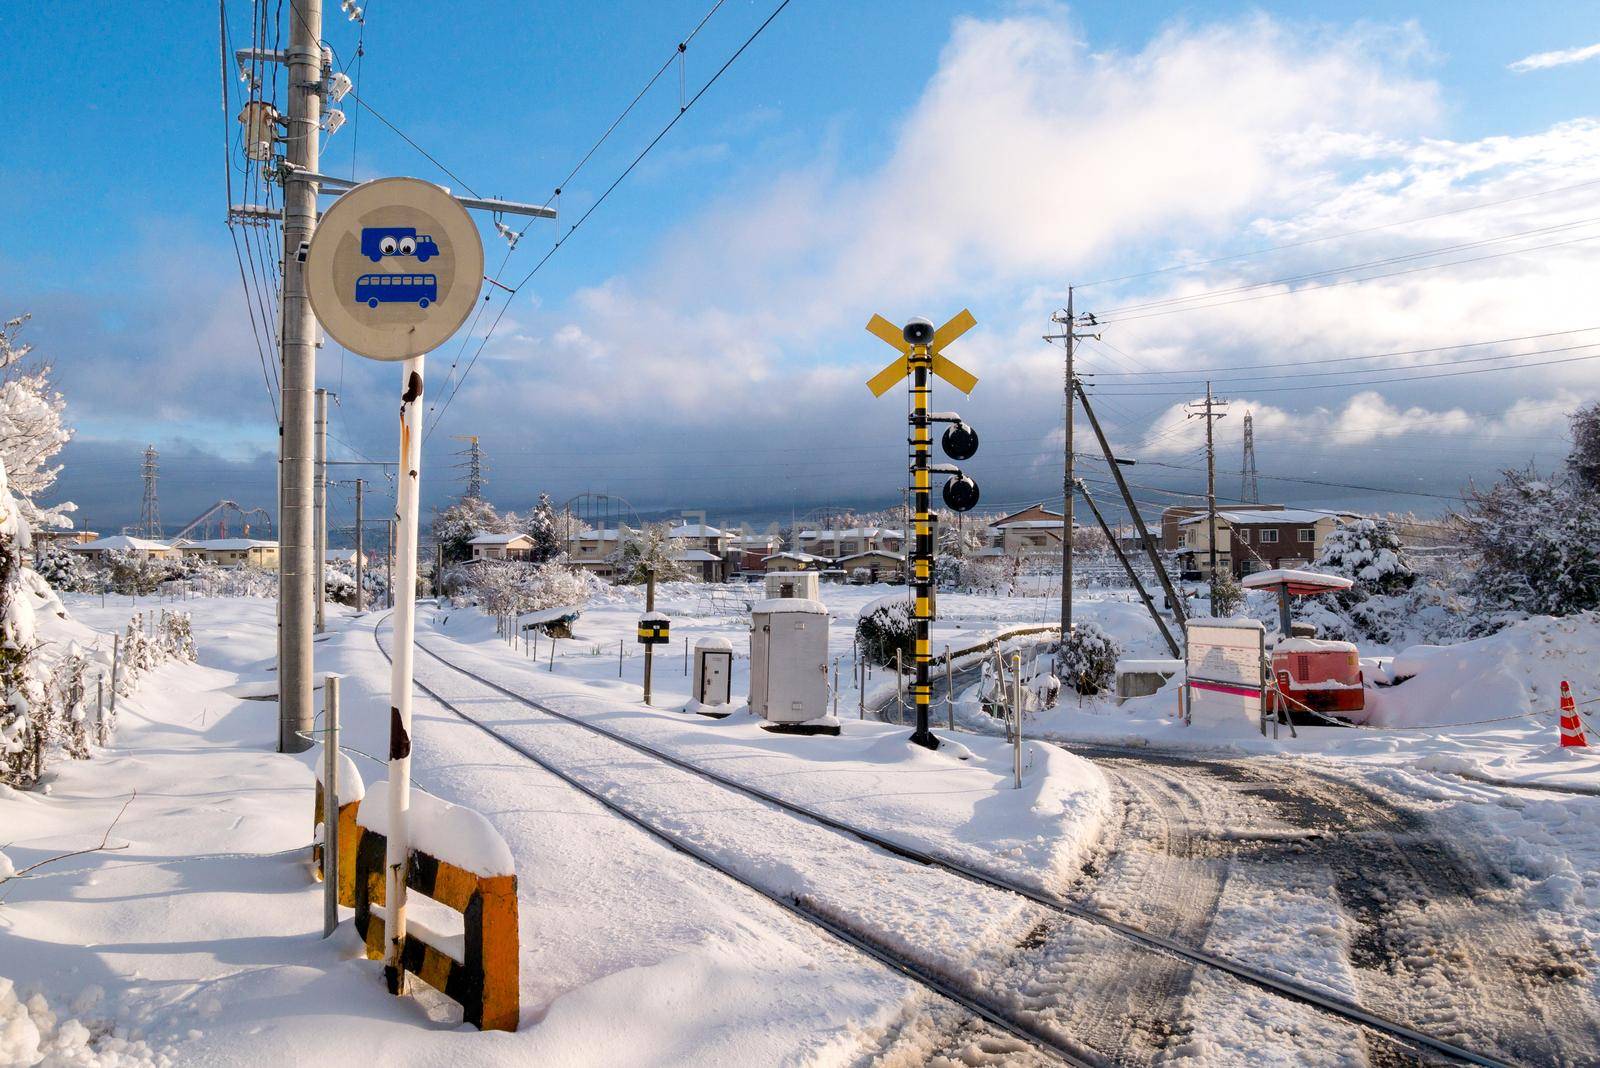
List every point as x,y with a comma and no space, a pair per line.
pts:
1572,736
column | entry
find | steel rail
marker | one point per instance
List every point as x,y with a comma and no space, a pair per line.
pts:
794,906
1339,1007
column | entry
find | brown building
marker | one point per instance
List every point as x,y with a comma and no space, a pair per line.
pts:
1255,539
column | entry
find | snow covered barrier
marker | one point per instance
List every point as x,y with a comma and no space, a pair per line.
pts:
457,863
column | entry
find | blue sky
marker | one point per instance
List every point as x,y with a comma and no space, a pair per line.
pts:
734,248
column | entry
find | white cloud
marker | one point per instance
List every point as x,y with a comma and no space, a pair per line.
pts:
1558,58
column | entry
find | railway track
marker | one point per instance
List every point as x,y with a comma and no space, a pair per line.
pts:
1410,1040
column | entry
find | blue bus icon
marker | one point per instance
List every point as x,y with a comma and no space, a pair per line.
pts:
380,241
375,289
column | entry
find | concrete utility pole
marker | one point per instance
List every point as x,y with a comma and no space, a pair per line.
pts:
295,571
361,556
1210,414
1069,337
321,550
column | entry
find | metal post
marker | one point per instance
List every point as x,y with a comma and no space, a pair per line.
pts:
552,652
299,332
361,556
686,656
100,708
921,360
949,690
619,657
116,647
835,686
900,683
320,476
398,846
1016,713
330,804
1284,621
649,606
861,688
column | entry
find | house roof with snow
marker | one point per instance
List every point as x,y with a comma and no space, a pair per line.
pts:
756,541
804,558
235,545
694,530
881,554
122,543
1033,516
487,538
597,535
695,556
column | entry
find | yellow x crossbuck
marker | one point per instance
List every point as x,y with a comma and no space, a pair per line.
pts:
894,337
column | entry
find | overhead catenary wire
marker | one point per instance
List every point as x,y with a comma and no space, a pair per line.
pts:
561,242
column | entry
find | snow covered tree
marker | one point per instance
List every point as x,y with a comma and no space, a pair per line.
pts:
63,569
958,546
1369,552
23,708
647,548
1583,462
31,430
884,627
542,527
1538,544
1227,596
458,524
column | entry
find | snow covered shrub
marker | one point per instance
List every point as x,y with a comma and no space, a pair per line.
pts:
64,570
23,708
1538,544
175,636
1367,551
1227,596
649,548
1088,659
137,574
885,626
67,688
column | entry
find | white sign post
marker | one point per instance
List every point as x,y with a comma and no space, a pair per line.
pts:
394,268
1223,679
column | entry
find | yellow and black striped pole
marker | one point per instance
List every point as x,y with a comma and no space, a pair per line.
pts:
919,345
921,358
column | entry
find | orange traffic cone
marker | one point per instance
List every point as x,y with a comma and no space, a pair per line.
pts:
1572,736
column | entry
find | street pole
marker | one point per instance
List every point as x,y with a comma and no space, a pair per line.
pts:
921,359
1211,499
330,805
304,56
398,845
1067,479
321,549
649,606
361,556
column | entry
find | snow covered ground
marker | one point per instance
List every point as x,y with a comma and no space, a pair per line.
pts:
194,936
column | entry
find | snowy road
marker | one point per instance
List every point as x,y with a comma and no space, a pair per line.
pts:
1344,885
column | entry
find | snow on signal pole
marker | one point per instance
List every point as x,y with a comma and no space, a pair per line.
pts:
921,351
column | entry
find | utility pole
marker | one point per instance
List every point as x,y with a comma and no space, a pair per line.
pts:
322,508
361,556
299,332
1133,509
150,510
1069,337
1210,414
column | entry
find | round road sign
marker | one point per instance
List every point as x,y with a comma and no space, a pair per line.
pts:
394,267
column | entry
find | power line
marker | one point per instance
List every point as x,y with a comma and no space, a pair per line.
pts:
682,111
1337,237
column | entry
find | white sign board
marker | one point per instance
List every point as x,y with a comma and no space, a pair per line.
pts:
394,268
1224,670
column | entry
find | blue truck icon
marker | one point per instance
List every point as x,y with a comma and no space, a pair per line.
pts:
380,241
375,289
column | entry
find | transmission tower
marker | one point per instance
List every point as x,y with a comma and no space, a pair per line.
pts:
150,510
473,465
1249,492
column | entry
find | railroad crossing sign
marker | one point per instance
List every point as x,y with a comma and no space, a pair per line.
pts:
894,337
394,268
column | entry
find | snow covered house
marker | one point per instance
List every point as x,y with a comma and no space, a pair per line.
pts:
232,552
747,553
699,563
709,539
1034,531
491,546
874,565
596,551
791,561
125,543
836,543
1256,539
